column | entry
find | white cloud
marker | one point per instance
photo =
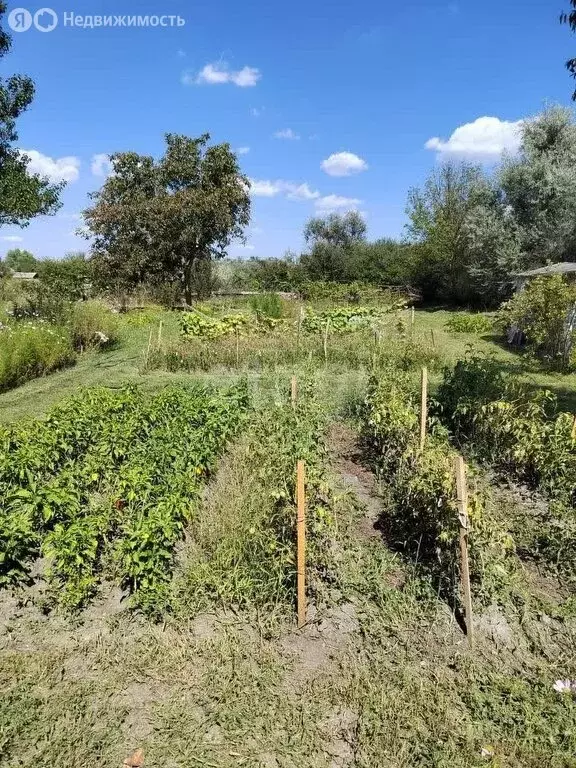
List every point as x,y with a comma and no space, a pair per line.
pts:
484,139
181,54
256,111
12,238
219,74
335,202
301,192
59,169
264,188
286,133
247,77
247,247
242,150
101,165
343,164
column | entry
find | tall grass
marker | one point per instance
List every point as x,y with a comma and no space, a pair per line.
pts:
93,324
28,350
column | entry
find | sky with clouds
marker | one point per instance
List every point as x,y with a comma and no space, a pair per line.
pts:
329,106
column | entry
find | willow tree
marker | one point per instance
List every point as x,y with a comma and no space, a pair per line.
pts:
168,219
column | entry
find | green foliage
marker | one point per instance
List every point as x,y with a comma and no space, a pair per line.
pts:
19,260
23,194
523,435
268,305
106,484
196,325
70,278
168,219
463,322
545,311
28,350
346,319
138,318
93,324
420,490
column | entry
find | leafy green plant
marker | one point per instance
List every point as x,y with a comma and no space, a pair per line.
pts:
107,482
463,322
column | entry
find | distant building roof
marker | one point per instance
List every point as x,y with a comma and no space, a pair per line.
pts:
24,275
562,268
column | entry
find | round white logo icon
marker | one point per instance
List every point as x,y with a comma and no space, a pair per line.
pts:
19,20
45,20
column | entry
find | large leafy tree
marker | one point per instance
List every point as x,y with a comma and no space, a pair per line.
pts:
539,186
168,219
331,240
23,195
437,216
20,260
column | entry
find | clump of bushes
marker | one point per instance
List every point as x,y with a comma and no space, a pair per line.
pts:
462,322
29,350
545,313
93,324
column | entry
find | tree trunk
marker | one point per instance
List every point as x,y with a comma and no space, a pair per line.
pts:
188,275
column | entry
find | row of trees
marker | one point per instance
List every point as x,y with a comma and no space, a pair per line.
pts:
469,231
169,220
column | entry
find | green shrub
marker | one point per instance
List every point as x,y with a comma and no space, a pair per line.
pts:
93,324
462,322
267,305
29,350
542,312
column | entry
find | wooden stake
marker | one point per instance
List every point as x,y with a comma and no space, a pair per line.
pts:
412,317
294,392
237,348
433,338
326,341
160,333
574,429
148,351
301,542
423,408
299,331
462,490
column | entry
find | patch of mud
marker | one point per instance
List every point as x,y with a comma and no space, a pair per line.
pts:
314,647
339,733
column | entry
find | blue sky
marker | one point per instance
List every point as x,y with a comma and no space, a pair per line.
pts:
334,101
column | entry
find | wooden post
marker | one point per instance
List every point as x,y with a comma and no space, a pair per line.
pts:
299,330
574,429
326,341
237,348
412,317
301,542
147,356
423,408
462,490
433,339
294,392
160,334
